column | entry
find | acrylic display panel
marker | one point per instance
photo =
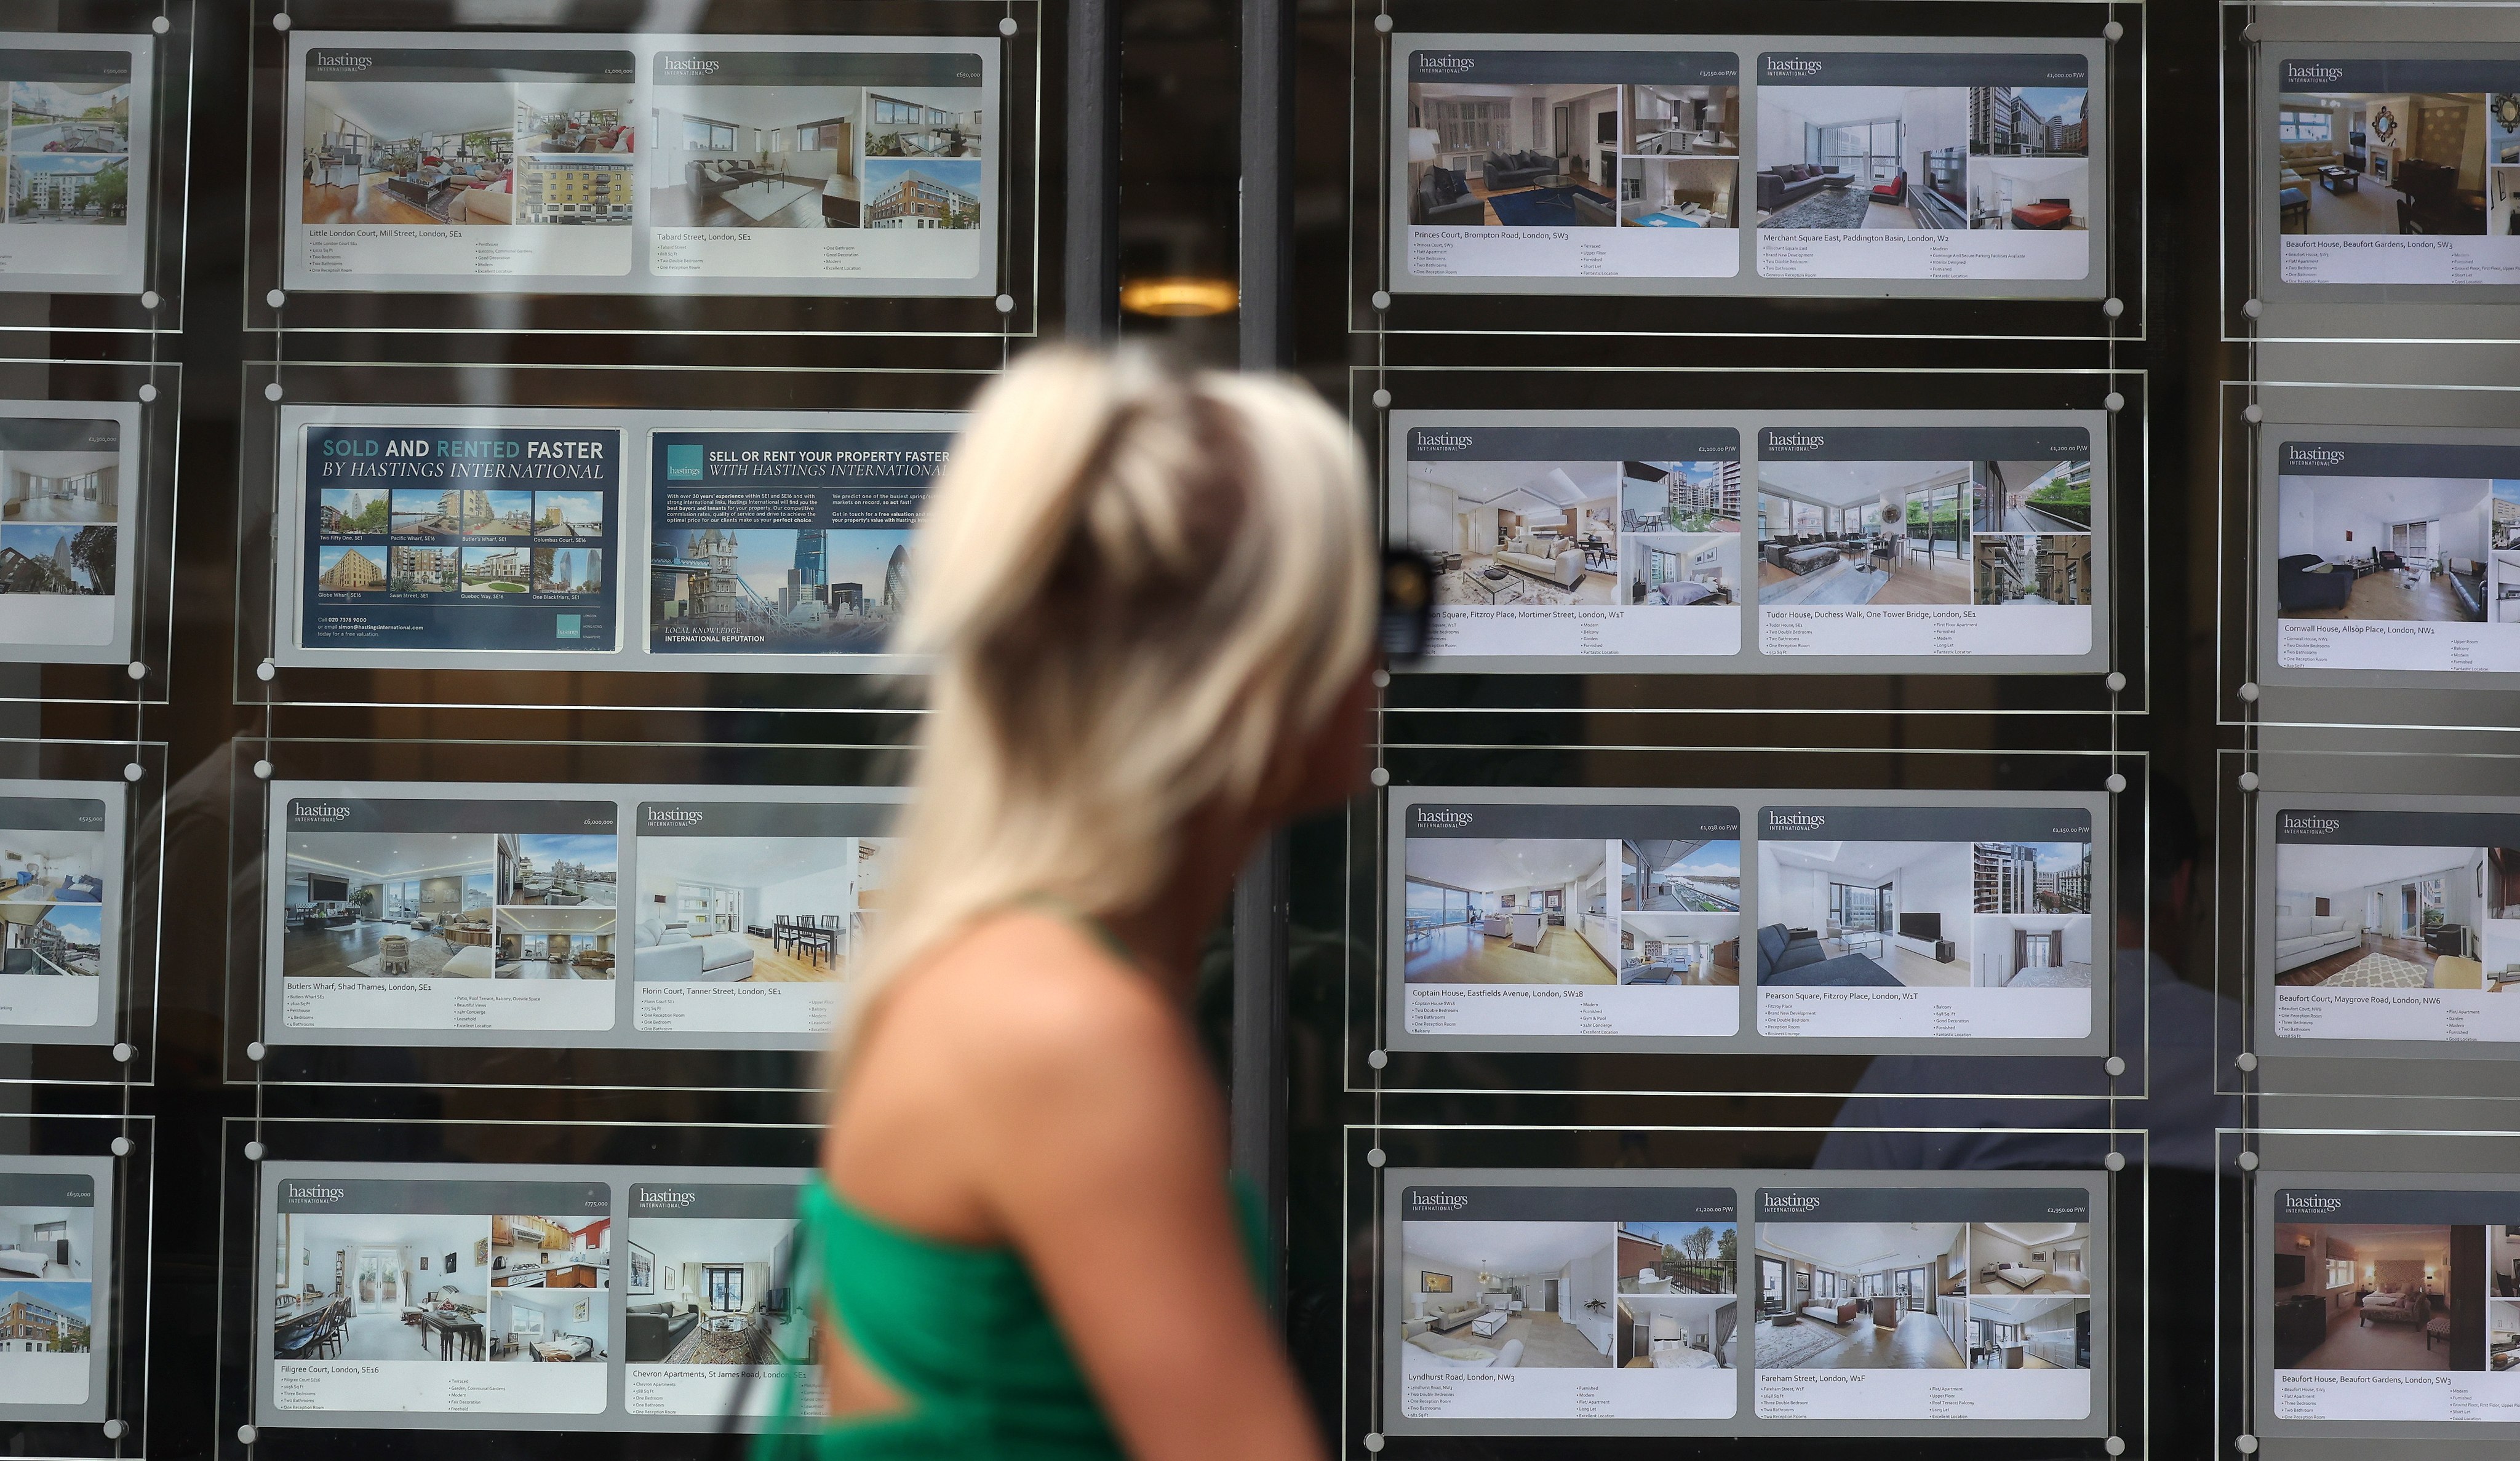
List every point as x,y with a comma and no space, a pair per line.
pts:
81,850
1778,542
75,1279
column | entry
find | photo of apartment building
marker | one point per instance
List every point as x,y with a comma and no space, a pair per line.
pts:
925,194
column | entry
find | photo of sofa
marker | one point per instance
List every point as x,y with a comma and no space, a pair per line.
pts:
2364,162
1502,1296
759,156
1864,532
711,1290
1846,158
2398,549
736,910
434,156
1513,155
2349,916
1534,533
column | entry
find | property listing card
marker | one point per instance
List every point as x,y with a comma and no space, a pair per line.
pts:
750,914
54,1286
2390,1305
77,159
1570,164
711,1325
2391,921
1602,540
1921,921
462,537
2397,171
1951,1302
1567,919
2400,557
782,543
61,911
69,501
424,1296
1514,1300
1927,165
1929,541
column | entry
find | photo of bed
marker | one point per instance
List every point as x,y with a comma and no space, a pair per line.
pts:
2394,918
2030,1257
1679,570
756,909
47,1244
1861,1296
382,1288
1677,1309
2383,547
718,1294
1503,1296
757,156
1532,533
2372,1297
1864,532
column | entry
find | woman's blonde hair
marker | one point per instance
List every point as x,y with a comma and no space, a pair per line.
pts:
1136,588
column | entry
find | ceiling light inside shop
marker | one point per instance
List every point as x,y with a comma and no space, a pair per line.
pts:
1180,296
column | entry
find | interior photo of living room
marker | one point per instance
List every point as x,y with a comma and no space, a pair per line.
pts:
1677,1306
559,870
1860,157
1701,950
1875,1295
2023,1332
2370,1296
554,943
408,154
52,895
712,1290
1854,915
1864,532
756,157
2031,568
1506,156
1539,533
2423,153
1511,910
575,147
756,909
389,905
2030,1257
1503,1296
2395,917
381,1287
75,487
2382,547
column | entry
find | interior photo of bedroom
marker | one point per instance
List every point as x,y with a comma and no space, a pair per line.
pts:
2030,1257
2023,1332
2043,195
756,157
1864,532
1503,1296
1863,157
712,1290
409,155
1506,156
381,1287
46,1244
2394,918
1875,1296
1679,570
2372,1297
2031,568
1677,1309
1519,532
2422,154
548,1282
1511,910
2382,547
411,905
754,909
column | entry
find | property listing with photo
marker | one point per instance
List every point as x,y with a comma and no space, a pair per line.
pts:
2396,557
1523,164
479,539
1951,1302
1587,537
1912,920
53,1285
782,543
2399,171
1546,1287
2389,1305
61,909
447,166
824,160
2391,920
396,1295
63,552
1930,541
1970,166
712,1321
750,916
77,161
1558,923
392,916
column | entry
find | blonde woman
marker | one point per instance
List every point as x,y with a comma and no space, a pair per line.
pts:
1148,600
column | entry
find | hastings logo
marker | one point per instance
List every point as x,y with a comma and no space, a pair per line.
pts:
1442,441
1447,64
666,1197
310,1192
1440,816
2306,822
1787,1202
699,65
1797,441
2305,71
1810,819
1438,1202
343,60
673,817
2297,455
2295,1202
321,812
1790,65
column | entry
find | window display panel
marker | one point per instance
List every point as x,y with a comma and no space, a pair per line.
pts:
61,896
70,491
574,916
55,1263
79,144
644,164
496,540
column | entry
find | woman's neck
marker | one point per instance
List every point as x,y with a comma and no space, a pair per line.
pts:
1169,930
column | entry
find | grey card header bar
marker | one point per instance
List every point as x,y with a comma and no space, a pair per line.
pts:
1601,820
1924,823
2423,74
450,1195
1920,443
47,1190
51,814
31,433
1574,444
765,818
1918,68
2393,1207
1592,67
817,69
1922,1204
325,813
715,1199
2391,828
447,63
2398,459
1568,1204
